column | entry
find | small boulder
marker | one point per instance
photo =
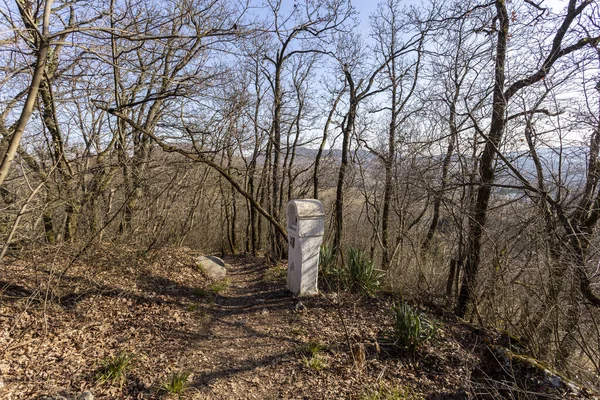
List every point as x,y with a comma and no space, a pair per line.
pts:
87,395
213,267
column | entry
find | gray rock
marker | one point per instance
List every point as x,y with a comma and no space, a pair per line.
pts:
300,307
217,260
87,395
212,266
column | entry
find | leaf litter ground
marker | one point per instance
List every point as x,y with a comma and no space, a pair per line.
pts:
246,338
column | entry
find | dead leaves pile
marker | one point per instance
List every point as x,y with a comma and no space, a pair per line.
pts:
55,330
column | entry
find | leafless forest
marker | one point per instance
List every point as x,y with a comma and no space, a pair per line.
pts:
456,142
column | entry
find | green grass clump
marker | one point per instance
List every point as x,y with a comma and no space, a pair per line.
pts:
200,267
315,362
312,357
313,348
177,382
114,369
219,287
359,275
394,393
327,264
192,307
213,290
362,276
275,274
410,328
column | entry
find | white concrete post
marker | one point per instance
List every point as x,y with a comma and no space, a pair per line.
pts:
305,228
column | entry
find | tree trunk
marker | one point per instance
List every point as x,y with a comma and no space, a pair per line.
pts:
277,243
38,73
389,161
339,197
478,220
323,143
445,168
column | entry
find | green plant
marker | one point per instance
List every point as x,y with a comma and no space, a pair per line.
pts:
313,348
219,287
177,382
327,264
386,393
114,369
311,355
410,328
213,290
358,275
315,362
275,274
362,276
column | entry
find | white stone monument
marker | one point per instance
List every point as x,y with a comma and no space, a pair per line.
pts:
305,226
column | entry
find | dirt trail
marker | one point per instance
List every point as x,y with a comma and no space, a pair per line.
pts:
256,346
250,347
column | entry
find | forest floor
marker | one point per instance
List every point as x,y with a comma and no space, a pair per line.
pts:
63,323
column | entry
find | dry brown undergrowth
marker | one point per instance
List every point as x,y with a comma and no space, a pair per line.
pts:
249,340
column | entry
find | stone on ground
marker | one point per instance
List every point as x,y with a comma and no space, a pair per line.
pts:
212,266
87,395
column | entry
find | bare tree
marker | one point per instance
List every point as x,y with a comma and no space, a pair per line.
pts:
502,94
312,25
401,74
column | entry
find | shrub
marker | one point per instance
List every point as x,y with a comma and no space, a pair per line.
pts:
362,276
411,329
359,274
